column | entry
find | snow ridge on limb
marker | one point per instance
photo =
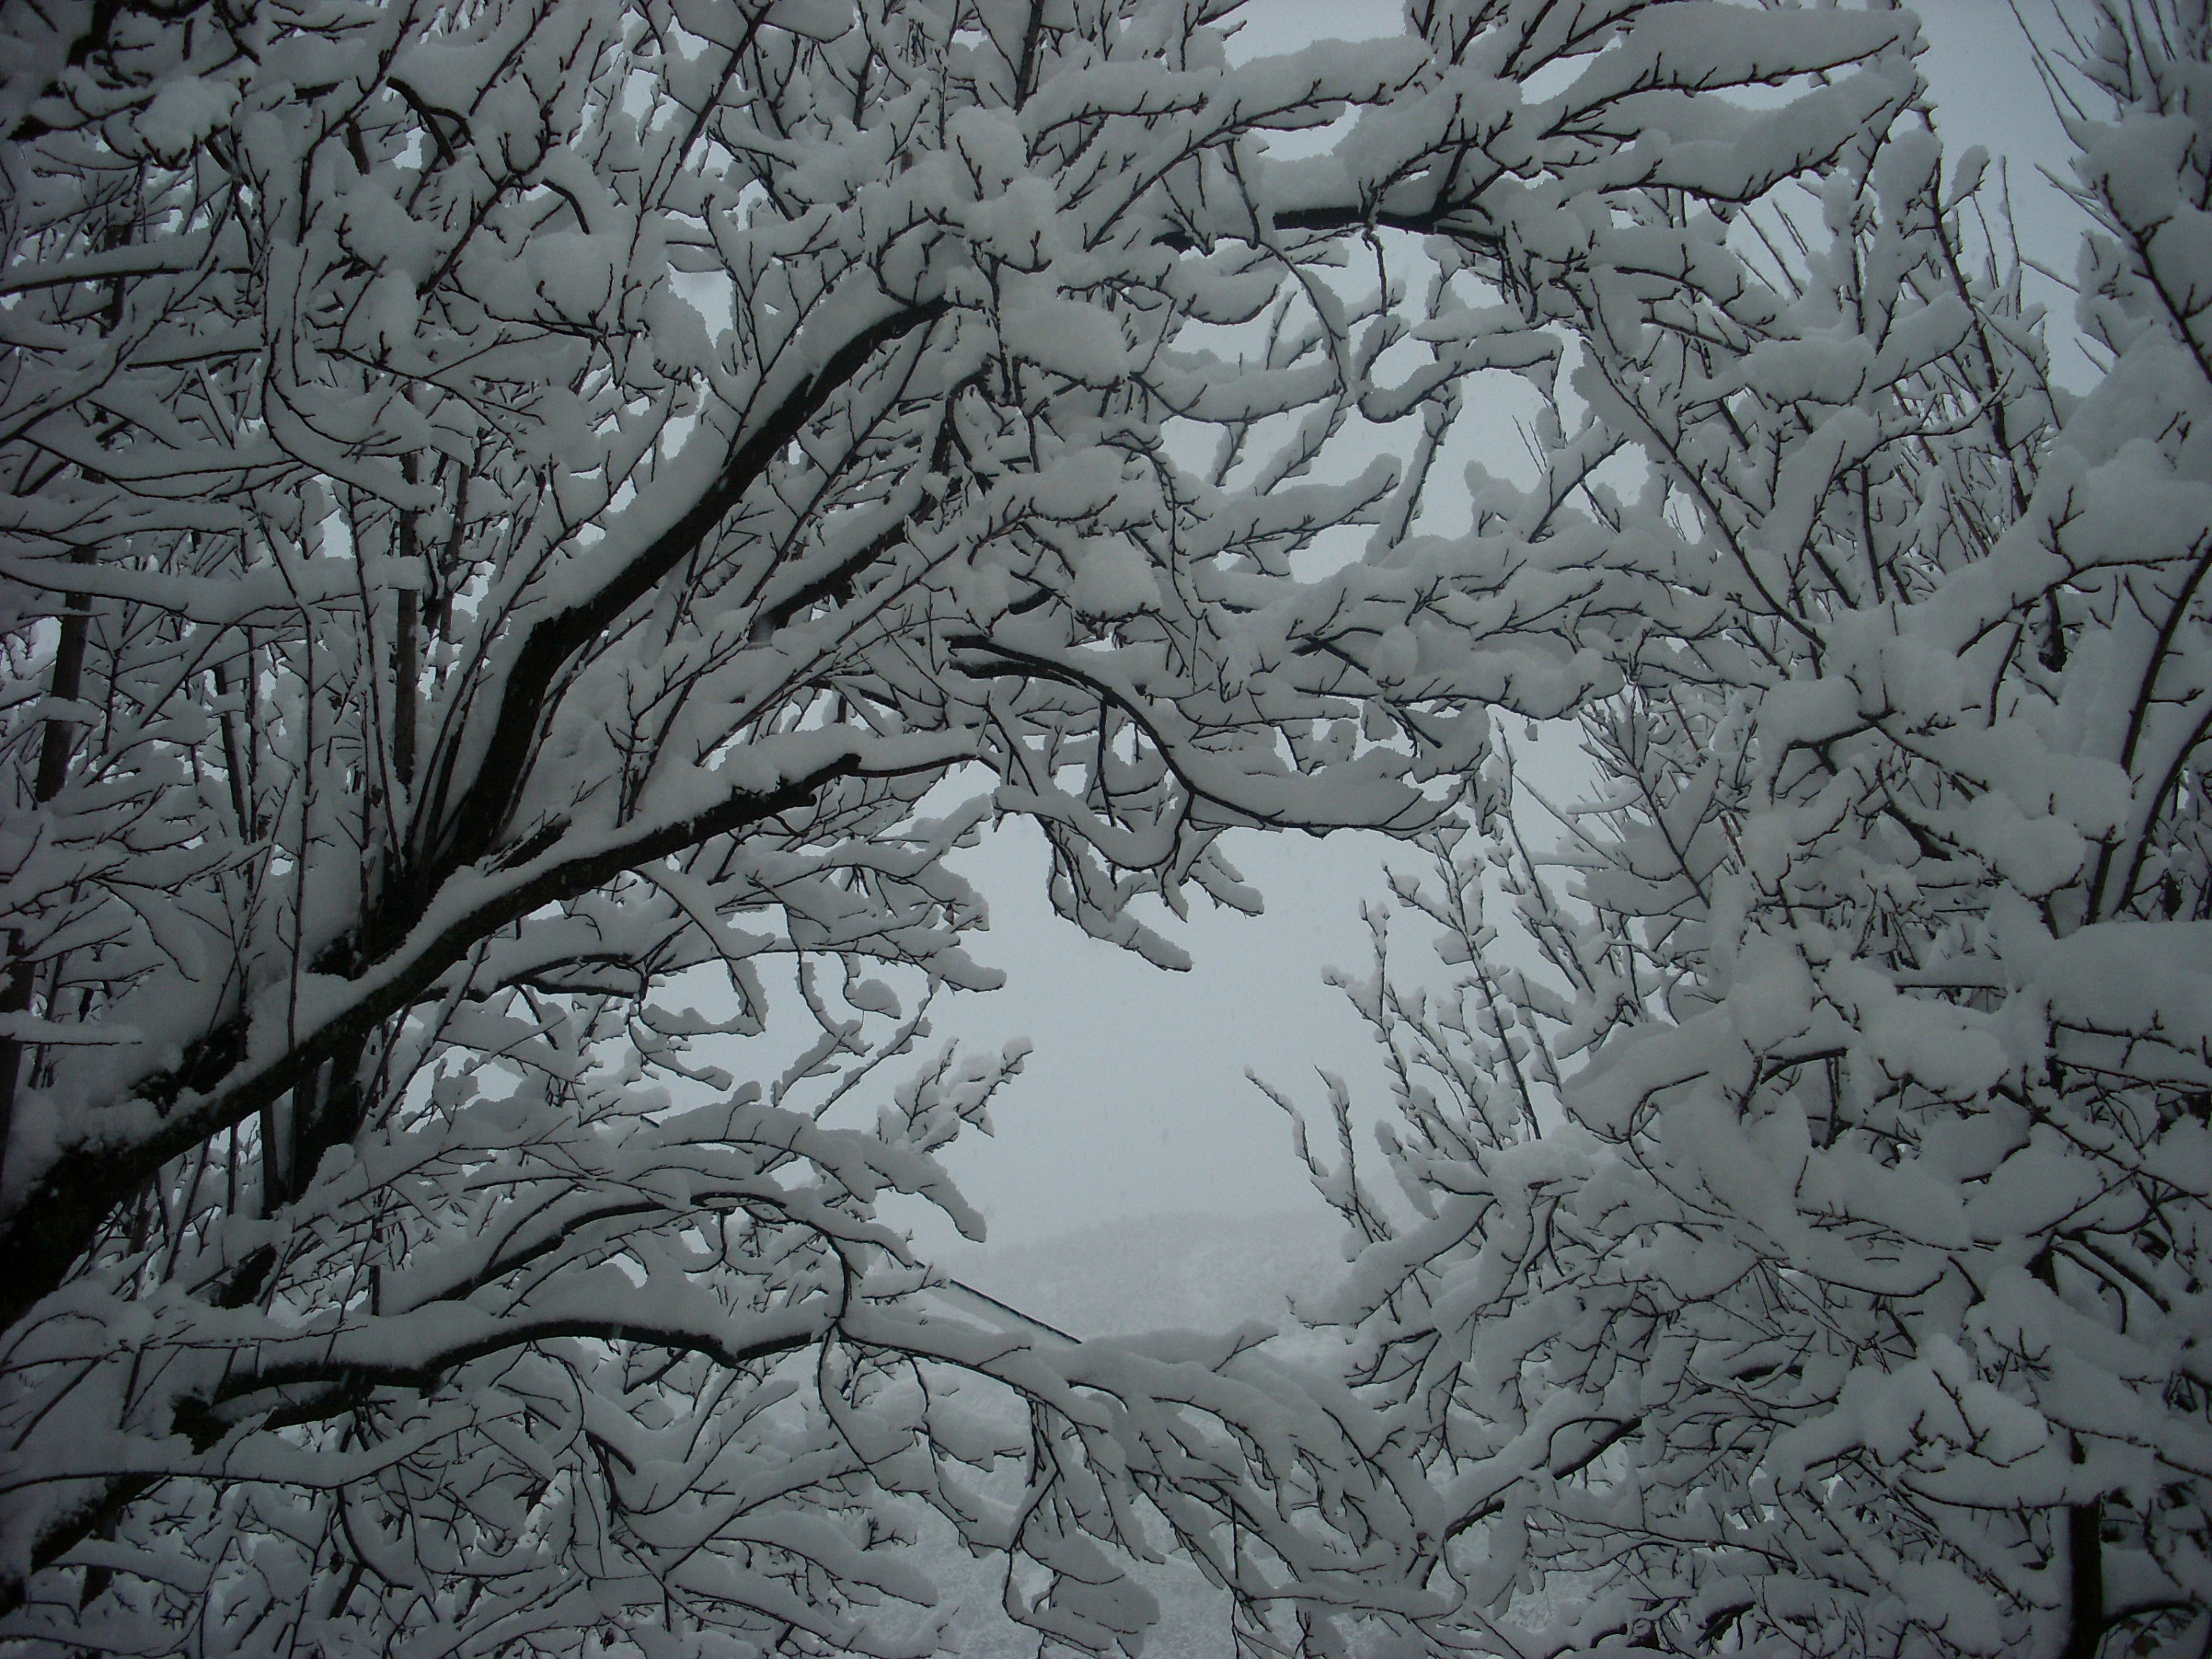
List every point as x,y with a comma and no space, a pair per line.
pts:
513,510
1811,1258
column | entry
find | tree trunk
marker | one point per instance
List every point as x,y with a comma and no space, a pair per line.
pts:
57,743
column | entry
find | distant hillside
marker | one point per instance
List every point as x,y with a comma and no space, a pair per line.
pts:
1151,1273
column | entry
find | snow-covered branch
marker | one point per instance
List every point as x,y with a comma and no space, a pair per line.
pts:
521,516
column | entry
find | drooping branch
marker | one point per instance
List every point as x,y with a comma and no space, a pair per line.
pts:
63,1208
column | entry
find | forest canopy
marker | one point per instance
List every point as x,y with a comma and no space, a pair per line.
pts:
537,526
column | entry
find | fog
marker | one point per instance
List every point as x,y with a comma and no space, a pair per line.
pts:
1135,1102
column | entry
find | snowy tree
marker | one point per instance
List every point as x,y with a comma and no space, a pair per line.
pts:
527,520
1813,1257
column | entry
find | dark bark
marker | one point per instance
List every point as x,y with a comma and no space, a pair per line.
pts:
2084,1577
406,654
57,743
2085,1523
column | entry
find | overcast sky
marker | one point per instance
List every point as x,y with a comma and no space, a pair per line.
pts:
1135,1100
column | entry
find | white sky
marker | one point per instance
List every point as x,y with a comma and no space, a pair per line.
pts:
1135,1100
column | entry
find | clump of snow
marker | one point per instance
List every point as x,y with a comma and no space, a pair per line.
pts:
183,112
